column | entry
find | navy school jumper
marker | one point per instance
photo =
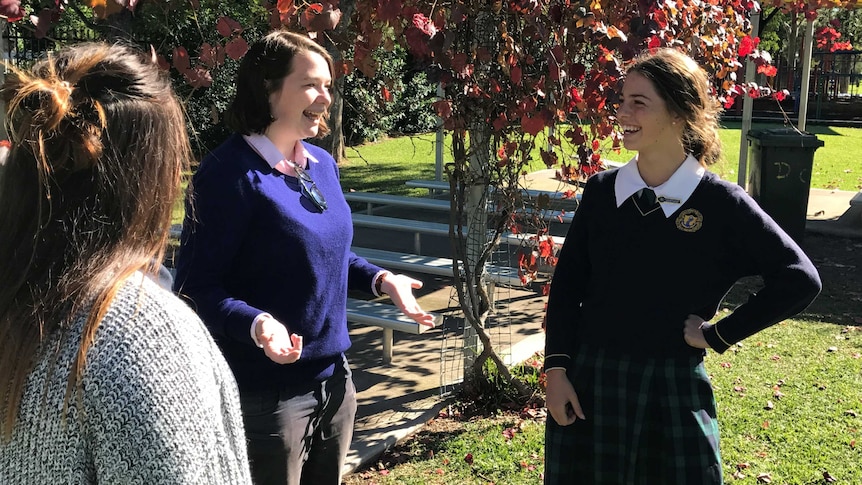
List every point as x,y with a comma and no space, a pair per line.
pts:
626,282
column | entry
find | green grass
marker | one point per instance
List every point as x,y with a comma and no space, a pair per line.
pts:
495,458
383,166
836,164
814,426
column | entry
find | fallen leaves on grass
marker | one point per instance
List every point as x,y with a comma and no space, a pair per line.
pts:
828,477
769,406
764,478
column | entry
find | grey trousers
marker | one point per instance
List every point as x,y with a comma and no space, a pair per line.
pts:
300,436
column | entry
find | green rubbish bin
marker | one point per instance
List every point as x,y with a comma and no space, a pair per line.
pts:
779,177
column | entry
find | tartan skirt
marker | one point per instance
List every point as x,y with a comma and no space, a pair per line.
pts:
649,421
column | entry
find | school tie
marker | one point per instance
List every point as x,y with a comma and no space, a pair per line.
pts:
646,202
646,197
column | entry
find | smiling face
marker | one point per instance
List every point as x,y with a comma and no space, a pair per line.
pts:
649,127
303,100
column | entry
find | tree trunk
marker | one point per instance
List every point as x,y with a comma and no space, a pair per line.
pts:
3,134
334,142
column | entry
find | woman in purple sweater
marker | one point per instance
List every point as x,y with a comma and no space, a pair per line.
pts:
265,260
652,250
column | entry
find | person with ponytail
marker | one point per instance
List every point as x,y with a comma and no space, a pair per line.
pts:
106,376
652,250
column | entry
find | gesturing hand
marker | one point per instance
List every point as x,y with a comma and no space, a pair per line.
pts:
400,289
693,332
561,398
279,345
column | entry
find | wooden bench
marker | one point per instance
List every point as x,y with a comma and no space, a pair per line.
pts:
443,186
372,199
418,228
389,318
498,275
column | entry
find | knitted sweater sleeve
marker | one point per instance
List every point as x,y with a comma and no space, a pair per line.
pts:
568,287
761,247
160,405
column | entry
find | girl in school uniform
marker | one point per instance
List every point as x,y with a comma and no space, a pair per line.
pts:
651,252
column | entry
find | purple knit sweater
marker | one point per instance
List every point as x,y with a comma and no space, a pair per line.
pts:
252,242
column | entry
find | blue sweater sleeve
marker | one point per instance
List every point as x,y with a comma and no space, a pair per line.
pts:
218,209
790,280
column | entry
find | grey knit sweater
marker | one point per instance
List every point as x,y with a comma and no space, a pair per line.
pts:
159,404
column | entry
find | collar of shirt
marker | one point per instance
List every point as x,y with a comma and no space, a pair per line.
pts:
264,147
671,194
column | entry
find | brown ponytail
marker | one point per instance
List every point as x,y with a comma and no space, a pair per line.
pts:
98,147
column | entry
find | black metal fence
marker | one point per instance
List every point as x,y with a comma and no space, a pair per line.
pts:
21,47
833,75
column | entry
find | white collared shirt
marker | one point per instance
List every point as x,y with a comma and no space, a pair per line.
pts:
671,195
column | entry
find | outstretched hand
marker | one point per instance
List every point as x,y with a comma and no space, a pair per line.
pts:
281,346
400,288
561,399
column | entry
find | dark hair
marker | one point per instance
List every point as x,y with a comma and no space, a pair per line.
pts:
261,73
684,86
98,149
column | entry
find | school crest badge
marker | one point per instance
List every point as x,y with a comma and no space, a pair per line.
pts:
689,220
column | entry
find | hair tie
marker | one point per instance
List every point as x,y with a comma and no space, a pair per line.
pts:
66,87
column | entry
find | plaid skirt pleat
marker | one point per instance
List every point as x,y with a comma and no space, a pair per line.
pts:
649,421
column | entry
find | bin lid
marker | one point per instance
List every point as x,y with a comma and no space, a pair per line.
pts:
785,137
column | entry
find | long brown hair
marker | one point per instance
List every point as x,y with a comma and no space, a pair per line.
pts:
684,86
98,151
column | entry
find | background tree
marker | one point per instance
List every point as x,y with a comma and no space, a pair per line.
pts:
519,77
512,70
